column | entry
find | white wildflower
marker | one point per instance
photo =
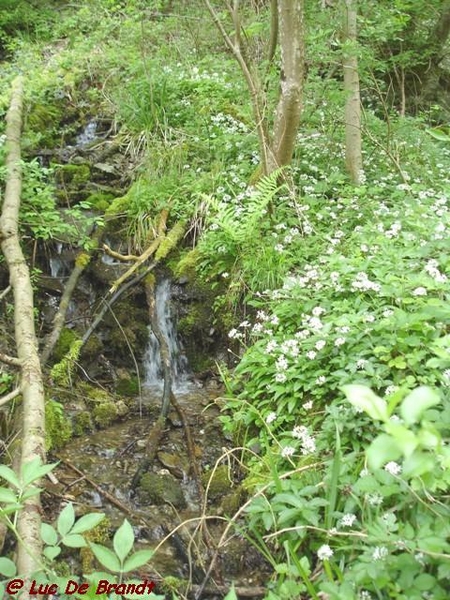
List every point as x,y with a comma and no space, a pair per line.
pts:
311,354
271,417
307,405
420,291
280,377
320,380
287,451
339,341
324,552
380,553
393,468
320,344
347,520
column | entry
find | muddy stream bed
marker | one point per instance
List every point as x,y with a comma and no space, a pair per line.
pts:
96,473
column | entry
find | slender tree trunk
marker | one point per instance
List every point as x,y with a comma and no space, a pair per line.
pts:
353,153
32,388
289,109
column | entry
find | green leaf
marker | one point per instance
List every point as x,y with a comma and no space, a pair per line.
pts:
10,476
136,560
382,450
7,567
87,522
123,540
34,470
7,496
406,440
66,520
424,582
417,464
363,398
51,552
74,540
48,534
417,402
231,594
106,557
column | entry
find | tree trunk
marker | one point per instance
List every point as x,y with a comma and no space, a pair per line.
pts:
32,388
353,153
288,112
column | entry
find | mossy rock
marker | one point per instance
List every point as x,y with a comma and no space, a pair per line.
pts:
106,413
218,481
58,429
94,395
92,348
64,343
233,501
161,489
128,386
82,423
100,200
98,535
73,175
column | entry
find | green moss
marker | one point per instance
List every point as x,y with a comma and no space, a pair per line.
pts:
232,502
98,535
218,482
82,260
82,423
104,414
161,489
128,387
58,429
170,241
118,206
100,200
172,585
73,174
66,339
62,371
92,348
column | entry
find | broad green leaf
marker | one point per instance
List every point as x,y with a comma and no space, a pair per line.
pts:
417,464
52,552
424,582
48,534
429,436
34,470
362,397
106,557
7,567
417,402
7,496
66,520
406,440
382,450
123,540
10,476
87,522
136,560
74,540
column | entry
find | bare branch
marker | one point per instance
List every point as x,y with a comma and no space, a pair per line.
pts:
5,292
5,399
10,360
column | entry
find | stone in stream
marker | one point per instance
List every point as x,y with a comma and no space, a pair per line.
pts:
176,464
161,488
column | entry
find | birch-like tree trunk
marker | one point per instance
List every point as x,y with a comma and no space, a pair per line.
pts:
353,143
31,382
289,109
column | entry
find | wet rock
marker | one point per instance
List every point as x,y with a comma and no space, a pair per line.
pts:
218,482
176,464
161,488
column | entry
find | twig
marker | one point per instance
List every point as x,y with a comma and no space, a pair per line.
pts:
5,292
10,396
10,360
101,491
117,255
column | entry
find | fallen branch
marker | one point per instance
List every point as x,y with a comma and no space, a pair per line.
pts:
12,361
122,257
5,292
10,396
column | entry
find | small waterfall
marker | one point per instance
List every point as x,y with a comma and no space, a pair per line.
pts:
152,359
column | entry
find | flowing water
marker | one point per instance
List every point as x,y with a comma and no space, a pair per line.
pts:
181,376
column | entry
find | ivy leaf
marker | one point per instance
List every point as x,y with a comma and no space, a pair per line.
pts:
363,398
417,402
123,540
